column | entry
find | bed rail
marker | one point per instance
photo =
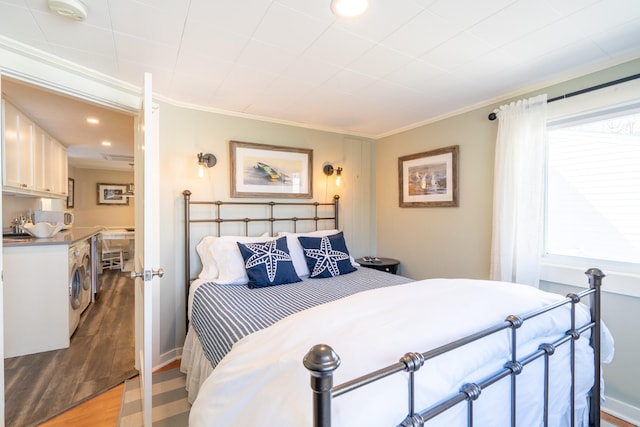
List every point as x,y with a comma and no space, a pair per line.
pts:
219,217
322,361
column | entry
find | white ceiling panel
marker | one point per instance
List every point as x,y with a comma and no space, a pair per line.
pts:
209,41
515,21
604,16
310,70
400,64
265,58
568,7
232,16
134,49
80,36
457,51
424,32
338,46
160,22
624,39
18,21
379,61
542,41
467,13
289,29
417,75
347,81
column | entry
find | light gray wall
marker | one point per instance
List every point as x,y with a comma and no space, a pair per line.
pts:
455,241
439,241
185,132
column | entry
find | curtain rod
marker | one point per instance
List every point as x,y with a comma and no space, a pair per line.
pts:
493,116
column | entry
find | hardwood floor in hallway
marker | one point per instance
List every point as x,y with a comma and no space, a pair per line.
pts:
101,355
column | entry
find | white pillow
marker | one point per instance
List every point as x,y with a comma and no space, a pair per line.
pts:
224,259
297,253
207,258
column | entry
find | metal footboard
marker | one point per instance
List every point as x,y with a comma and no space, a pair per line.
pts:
322,361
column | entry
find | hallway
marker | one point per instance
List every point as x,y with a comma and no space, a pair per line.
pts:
101,355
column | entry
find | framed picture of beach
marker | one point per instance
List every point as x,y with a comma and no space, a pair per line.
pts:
429,179
259,170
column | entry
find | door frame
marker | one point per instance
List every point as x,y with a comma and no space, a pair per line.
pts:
30,66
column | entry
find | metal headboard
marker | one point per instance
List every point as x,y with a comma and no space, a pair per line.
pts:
218,219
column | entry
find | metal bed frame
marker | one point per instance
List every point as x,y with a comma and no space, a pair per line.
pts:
271,219
322,361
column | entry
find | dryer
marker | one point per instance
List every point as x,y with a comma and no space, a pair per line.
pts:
86,271
75,289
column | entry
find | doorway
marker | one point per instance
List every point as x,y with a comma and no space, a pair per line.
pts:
70,376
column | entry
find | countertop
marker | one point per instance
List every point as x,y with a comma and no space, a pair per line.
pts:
64,237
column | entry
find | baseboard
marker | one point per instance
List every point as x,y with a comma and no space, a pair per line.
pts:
621,410
168,357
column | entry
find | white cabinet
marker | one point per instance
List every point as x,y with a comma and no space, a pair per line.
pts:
36,299
50,164
34,162
17,149
59,168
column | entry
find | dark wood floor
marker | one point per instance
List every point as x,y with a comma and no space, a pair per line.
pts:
101,355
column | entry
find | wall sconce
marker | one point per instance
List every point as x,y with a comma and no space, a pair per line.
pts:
328,170
205,160
129,192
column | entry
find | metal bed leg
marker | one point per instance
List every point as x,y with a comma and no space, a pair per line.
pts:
321,361
595,282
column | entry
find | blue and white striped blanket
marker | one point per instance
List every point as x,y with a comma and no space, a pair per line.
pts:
221,315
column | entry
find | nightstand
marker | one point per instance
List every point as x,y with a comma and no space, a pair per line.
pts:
389,265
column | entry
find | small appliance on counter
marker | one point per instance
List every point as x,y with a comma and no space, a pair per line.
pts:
52,217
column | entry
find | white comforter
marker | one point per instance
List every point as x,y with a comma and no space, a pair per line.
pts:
262,381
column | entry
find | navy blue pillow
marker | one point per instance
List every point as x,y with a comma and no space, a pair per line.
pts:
326,256
268,263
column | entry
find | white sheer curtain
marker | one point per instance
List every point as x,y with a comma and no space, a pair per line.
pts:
518,194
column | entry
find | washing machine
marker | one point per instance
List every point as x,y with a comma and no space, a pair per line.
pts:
75,289
86,270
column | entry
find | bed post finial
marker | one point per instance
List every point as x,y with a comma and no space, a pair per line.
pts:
321,361
595,282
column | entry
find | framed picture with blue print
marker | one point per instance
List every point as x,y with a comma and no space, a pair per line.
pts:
259,170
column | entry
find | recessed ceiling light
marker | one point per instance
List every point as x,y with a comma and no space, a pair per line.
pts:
348,8
93,120
73,9
106,143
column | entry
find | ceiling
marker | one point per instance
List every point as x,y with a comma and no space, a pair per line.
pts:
401,64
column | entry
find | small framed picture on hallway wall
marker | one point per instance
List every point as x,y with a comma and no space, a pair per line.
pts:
70,193
112,194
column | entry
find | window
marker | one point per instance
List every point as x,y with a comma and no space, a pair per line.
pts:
593,186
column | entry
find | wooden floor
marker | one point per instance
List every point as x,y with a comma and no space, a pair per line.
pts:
101,411
101,355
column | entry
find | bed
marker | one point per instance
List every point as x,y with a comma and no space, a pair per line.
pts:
484,353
